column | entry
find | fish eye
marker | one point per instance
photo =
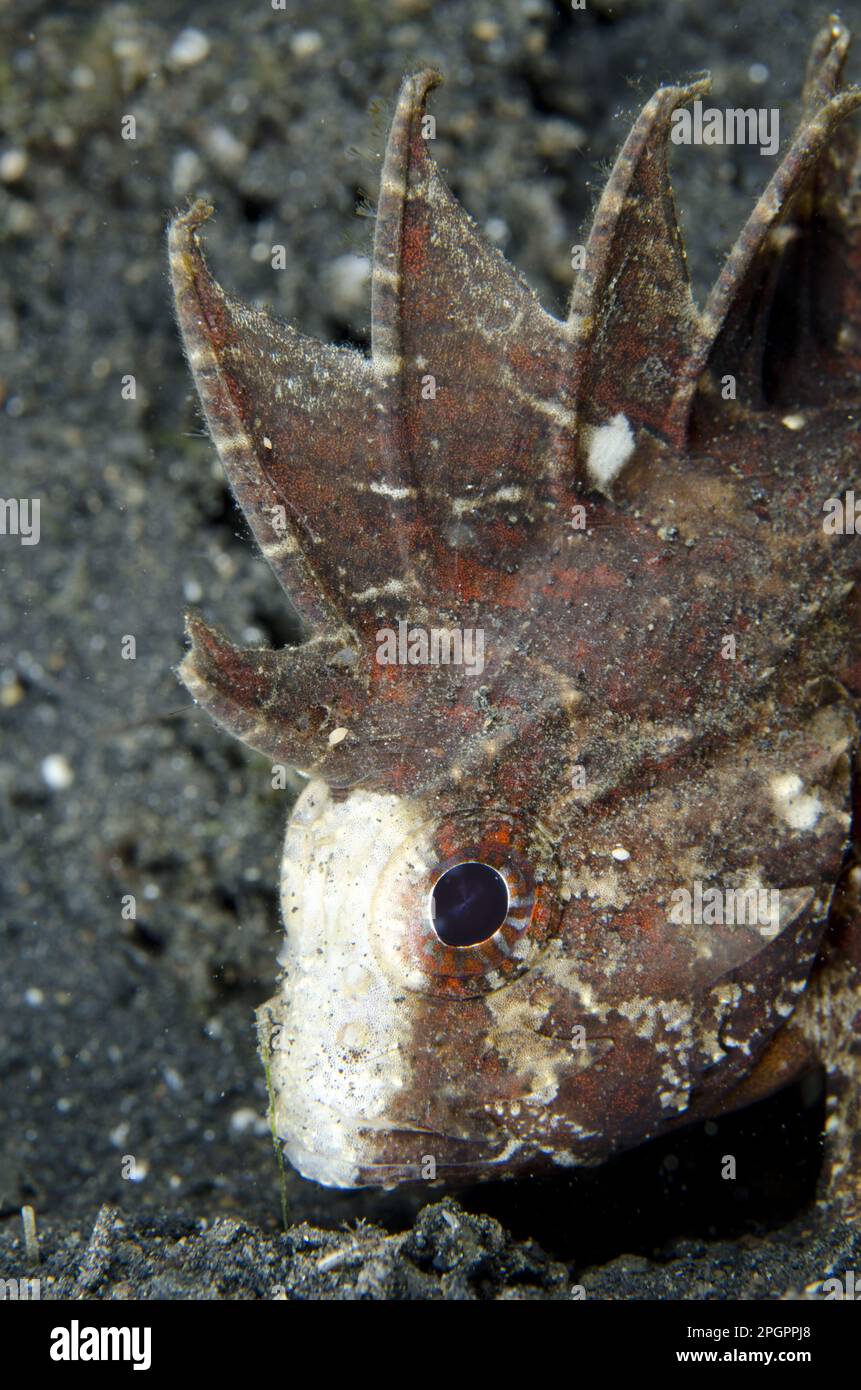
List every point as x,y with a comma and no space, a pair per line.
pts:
468,903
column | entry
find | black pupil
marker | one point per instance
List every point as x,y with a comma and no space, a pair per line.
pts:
468,904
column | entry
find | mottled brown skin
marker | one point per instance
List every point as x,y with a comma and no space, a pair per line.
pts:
605,646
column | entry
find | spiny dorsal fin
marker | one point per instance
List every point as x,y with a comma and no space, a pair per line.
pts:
451,507
298,706
472,373
632,306
748,302
824,74
831,216
295,425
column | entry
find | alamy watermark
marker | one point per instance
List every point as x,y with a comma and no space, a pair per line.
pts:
842,515
20,516
696,125
20,1290
849,1287
715,907
124,1343
434,646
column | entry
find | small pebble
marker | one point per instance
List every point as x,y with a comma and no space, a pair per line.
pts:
13,166
224,148
186,172
57,772
557,137
247,1121
497,230
188,49
305,43
347,282
11,692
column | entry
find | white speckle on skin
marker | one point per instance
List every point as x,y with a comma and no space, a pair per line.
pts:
510,493
391,586
609,450
674,1100
397,494
800,811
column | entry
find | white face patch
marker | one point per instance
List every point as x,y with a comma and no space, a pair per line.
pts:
801,812
609,450
339,1029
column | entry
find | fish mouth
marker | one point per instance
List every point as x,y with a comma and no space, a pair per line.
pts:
345,1150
